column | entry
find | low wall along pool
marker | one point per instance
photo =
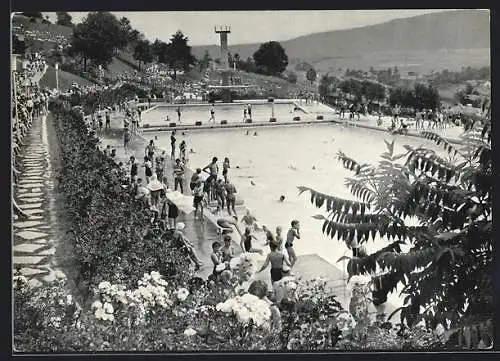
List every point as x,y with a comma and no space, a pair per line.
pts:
232,113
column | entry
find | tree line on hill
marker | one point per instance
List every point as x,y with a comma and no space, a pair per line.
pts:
100,36
419,96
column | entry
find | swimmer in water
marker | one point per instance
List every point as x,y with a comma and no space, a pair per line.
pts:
314,167
282,198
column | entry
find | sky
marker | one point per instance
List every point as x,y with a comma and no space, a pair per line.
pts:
252,26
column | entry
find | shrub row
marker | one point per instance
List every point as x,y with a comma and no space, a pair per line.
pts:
114,237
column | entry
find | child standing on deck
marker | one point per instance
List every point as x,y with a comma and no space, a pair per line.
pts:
212,114
179,175
148,168
293,233
225,167
182,149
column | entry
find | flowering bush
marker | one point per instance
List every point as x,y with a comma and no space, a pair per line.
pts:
248,307
309,315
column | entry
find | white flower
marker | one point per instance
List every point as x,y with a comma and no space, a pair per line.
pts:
104,285
224,307
155,275
189,332
108,308
97,304
99,313
182,294
243,316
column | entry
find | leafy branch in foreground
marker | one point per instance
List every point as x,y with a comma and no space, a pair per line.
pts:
447,271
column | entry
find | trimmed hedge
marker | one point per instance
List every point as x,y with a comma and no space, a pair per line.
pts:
115,238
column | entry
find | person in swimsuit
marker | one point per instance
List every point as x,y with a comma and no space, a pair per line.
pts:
220,194
178,236
99,119
217,260
226,223
150,150
293,233
195,179
212,178
182,150
148,168
227,250
246,241
172,144
135,122
225,167
276,258
249,111
198,199
244,114
160,162
249,220
173,213
179,114
126,139
269,236
212,114
179,175
230,197
279,238
133,168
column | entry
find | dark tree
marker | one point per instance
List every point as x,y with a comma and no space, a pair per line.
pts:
271,58
160,49
143,52
64,19
130,35
205,61
179,55
311,75
97,38
291,77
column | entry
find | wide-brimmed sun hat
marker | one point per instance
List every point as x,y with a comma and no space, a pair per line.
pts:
154,184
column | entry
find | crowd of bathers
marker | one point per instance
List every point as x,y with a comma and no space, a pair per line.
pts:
28,102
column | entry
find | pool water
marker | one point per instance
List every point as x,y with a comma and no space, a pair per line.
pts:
277,160
233,113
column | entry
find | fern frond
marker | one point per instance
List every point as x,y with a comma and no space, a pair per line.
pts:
351,164
440,140
334,204
359,189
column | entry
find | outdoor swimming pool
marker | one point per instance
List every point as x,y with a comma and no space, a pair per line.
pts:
280,159
233,113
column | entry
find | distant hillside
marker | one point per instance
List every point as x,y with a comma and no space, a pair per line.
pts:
463,29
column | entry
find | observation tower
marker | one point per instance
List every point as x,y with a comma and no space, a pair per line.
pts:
230,78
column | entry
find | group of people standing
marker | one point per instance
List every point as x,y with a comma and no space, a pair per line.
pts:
282,252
